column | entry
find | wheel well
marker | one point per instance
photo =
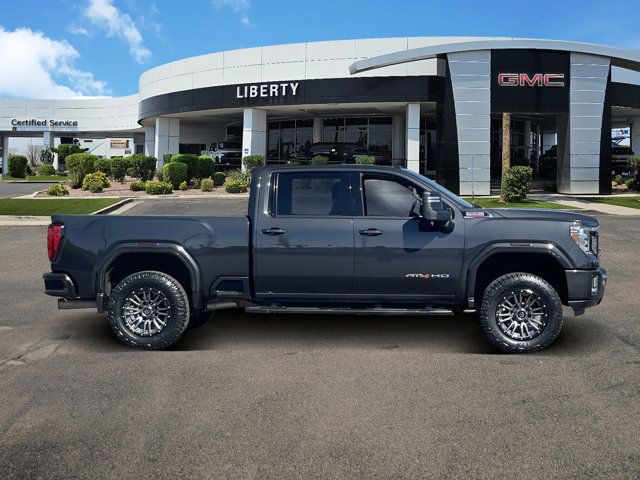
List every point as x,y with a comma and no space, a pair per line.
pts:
540,264
128,263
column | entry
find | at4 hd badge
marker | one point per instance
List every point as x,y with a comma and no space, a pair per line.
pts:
427,276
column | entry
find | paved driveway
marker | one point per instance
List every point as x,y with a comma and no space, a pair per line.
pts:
259,397
10,189
172,206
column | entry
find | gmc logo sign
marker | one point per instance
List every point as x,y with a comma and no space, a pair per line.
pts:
537,80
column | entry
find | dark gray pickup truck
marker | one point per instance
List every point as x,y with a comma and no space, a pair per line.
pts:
344,239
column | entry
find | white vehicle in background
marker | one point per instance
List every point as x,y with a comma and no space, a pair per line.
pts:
227,153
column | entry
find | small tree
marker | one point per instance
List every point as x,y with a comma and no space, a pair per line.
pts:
65,150
33,154
634,167
506,151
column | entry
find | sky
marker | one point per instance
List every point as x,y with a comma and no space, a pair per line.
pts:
67,49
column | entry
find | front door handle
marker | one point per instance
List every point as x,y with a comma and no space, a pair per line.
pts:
371,232
273,231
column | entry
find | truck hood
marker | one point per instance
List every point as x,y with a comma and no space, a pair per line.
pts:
542,214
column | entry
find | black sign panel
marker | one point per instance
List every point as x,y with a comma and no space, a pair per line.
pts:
529,81
297,92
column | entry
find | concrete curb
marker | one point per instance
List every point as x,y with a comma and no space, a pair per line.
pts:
14,220
114,207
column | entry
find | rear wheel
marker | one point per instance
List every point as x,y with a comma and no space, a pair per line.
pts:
148,310
520,312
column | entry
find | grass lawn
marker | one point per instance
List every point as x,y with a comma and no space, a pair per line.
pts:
47,207
38,178
526,203
631,202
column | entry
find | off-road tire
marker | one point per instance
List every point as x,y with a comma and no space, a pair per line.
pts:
178,302
501,287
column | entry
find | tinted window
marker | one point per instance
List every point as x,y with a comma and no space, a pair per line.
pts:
311,193
384,197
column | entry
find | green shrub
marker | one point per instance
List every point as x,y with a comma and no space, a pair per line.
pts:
252,161
79,165
46,169
239,175
191,161
206,184
102,165
617,179
365,159
159,175
517,183
632,184
175,173
294,159
144,167
236,186
633,163
118,168
67,149
158,188
137,186
98,178
166,158
205,166
319,160
183,186
94,186
57,190
219,178
17,166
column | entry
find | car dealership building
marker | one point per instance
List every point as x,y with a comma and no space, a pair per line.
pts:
432,104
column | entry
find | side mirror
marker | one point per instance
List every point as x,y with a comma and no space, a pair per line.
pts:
433,210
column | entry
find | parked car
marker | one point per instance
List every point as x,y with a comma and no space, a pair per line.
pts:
339,152
227,153
337,239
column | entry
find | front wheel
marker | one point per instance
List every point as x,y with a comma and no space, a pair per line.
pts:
520,313
148,310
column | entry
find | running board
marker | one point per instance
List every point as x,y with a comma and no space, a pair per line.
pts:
350,311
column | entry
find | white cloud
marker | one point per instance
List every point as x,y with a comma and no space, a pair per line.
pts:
104,15
78,30
35,66
238,6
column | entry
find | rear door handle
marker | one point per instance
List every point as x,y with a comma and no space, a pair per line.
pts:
371,232
273,231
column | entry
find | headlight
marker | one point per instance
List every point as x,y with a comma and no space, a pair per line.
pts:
585,238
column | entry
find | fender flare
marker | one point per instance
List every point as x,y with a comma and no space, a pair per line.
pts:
177,251
473,265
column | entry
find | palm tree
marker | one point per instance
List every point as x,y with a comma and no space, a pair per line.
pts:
506,150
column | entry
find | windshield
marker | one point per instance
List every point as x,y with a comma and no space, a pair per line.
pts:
461,203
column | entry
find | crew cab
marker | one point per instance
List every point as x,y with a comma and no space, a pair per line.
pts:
332,239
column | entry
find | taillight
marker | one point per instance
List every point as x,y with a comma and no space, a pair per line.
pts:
54,236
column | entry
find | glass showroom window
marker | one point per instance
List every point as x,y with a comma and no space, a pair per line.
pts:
286,137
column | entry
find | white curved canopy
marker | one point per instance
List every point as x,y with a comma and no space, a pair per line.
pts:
620,57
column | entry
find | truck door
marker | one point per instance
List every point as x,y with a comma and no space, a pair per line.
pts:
398,255
304,236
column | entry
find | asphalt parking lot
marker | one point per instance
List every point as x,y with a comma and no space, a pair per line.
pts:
280,397
14,189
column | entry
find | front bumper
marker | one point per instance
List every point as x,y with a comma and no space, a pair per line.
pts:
585,288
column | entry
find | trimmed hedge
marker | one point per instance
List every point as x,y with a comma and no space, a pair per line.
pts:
175,173
102,165
119,167
137,186
57,190
365,159
236,186
219,178
252,161
144,167
18,166
517,183
46,169
191,161
205,166
79,165
158,188
206,184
